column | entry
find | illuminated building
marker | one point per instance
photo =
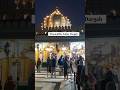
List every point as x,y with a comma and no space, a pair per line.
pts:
56,20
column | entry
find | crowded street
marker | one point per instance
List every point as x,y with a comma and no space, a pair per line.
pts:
61,73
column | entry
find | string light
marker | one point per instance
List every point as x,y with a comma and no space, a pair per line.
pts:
24,3
56,19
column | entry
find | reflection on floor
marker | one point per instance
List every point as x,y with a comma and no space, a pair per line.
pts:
42,82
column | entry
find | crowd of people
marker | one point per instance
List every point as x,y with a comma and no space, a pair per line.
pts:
67,66
101,78
97,77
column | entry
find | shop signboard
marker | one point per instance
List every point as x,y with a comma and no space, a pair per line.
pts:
95,19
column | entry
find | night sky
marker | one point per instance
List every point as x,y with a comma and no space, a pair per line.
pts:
74,9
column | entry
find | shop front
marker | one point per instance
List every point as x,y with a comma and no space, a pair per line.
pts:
43,50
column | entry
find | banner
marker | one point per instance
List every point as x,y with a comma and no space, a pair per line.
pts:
63,33
95,19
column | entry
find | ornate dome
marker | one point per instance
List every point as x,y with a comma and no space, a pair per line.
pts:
56,19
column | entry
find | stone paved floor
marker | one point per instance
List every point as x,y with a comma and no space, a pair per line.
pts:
42,82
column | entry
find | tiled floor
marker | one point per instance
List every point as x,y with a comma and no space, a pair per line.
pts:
42,82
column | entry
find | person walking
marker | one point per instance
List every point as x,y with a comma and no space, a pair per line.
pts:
38,65
71,68
60,63
74,68
110,80
48,65
108,83
65,68
80,72
53,68
78,80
